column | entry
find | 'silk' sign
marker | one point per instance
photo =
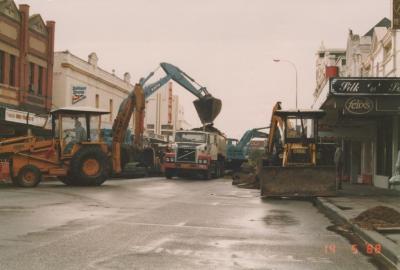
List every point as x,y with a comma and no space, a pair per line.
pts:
365,86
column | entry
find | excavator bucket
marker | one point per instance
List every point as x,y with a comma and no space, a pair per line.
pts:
302,181
208,108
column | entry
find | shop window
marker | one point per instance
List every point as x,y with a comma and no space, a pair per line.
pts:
384,147
1,66
12,70
40,81
31,77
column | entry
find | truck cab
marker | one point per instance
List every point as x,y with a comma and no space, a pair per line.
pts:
196,152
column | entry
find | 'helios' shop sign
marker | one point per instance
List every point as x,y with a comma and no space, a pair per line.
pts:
359,105
78,93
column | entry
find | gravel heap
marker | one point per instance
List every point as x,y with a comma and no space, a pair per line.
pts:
209,128
378,217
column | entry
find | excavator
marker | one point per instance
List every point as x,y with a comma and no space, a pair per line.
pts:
206,105
85,159
291,165
238,154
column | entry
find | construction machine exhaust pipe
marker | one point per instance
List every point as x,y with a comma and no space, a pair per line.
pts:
208,108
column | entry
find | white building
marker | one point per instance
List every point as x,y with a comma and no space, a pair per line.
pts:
78,82
329,63
362,105
164,115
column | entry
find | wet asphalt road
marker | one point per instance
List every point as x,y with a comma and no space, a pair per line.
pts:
158,224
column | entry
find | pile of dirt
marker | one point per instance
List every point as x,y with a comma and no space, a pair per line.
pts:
246,177
378,217
209,128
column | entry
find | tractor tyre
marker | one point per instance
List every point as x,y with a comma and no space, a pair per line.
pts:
148,157
169,173
89,167
66,180
29,176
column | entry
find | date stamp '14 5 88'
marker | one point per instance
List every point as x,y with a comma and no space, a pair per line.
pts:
369,249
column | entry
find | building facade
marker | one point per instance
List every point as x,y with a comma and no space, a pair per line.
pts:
83,83
362,105
329,63
26,69
164,115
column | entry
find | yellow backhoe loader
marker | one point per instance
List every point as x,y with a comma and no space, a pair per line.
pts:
290,166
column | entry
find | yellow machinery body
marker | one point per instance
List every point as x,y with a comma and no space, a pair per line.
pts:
290,167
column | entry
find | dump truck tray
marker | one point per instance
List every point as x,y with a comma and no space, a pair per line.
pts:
306,181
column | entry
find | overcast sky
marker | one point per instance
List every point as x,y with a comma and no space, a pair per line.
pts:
226,45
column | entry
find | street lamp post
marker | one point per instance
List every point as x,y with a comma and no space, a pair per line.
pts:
295,69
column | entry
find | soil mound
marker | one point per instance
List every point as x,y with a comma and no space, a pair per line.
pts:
378,217
209,128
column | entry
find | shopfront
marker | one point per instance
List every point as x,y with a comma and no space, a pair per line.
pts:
363,115
18,123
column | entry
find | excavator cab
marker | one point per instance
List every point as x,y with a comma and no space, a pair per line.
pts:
300,131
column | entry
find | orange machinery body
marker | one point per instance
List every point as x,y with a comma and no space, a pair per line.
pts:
43,154
134,102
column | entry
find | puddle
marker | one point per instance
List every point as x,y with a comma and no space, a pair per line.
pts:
280,219
11,208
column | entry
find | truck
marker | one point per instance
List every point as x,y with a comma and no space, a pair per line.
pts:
196,152
143,157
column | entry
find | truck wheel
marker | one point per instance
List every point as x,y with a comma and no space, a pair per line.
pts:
169,174
207,175
89,167
217,171
28,176
221,168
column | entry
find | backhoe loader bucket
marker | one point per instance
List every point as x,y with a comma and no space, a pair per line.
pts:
208,108
304,181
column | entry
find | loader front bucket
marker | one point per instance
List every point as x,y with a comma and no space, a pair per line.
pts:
306,181
208,108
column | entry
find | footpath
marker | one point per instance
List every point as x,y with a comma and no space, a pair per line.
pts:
352,201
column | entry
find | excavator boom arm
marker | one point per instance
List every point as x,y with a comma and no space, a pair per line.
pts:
184,80
276,123
134,101
248,135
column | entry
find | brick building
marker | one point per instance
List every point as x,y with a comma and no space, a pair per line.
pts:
26,68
